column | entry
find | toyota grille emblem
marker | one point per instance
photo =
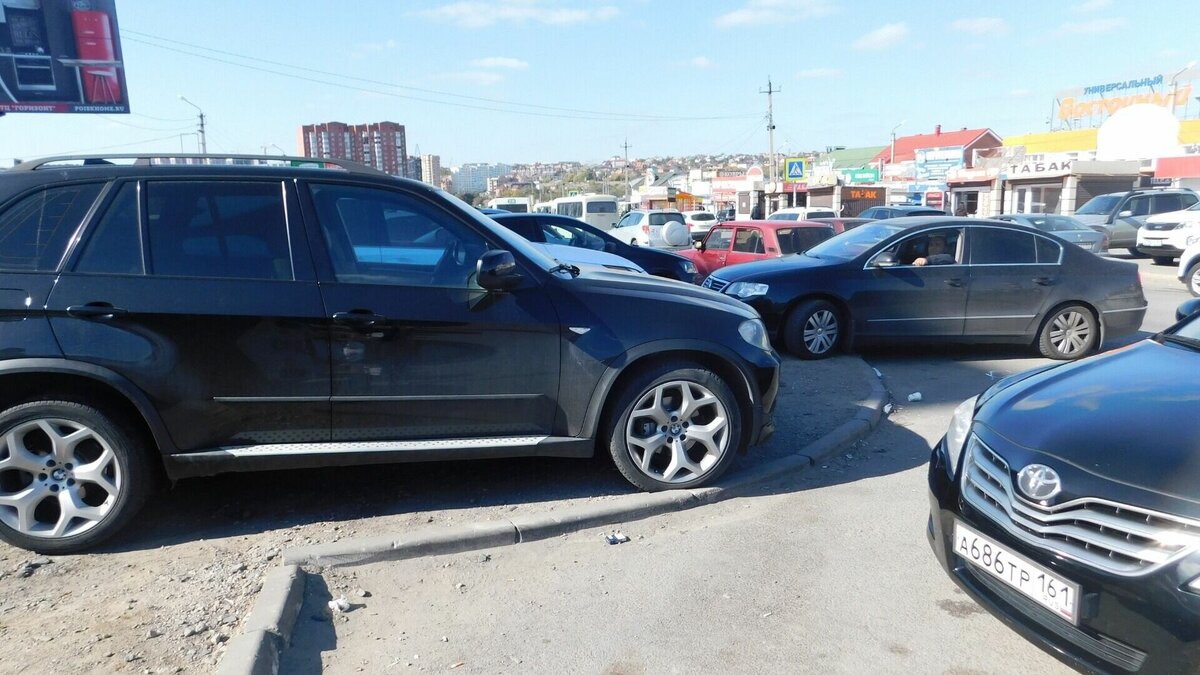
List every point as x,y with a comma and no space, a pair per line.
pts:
1039,482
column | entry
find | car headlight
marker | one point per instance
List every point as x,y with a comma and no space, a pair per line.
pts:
688,267
960,429
754,332
746,289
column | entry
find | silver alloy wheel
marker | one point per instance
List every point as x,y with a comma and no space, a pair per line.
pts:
677,432
58,478
1070,332
820,331
1194,281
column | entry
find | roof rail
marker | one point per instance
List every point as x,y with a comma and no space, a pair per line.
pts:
144,159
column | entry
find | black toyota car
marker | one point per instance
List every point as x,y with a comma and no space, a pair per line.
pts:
1066,500
549,228
941,278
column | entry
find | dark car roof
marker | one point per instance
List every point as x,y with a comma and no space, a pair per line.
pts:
908,208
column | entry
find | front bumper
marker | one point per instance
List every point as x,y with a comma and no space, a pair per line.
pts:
1162,250
1141,624
766,378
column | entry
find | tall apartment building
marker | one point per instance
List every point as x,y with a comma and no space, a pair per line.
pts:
431,169
473,177
381,145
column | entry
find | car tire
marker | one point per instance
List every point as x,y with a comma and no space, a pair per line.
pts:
654,415
1134,253
1192,279
1163,260
1069,332
813,330
56,454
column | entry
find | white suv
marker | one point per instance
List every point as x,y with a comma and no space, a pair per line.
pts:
1166,235
699,223
661,228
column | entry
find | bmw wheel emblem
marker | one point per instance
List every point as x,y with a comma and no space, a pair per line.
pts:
1039,482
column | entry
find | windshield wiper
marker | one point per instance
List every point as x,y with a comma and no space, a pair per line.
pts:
1191,343
563,267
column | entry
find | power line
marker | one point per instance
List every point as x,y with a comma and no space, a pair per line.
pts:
576,113
138,126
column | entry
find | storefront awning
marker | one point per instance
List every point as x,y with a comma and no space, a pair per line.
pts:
1177,167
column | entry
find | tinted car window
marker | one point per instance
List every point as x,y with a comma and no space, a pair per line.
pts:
526,227
748,240
602,207
35,231
719,239
386,237
1166,203
703,217
664,218
568,234
217,229
1048,252
797,239
1189,201
1099,205
115,245
1139,205
993,246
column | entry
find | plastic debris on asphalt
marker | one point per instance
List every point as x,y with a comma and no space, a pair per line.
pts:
340,605
614,538
914,397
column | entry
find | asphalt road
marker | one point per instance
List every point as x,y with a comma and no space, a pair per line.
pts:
825,572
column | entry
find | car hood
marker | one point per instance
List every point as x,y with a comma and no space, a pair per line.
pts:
587,256
1127,416
1184,216
788,265
646,287
1091,219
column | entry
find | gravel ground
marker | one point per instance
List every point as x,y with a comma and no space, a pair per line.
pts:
172,589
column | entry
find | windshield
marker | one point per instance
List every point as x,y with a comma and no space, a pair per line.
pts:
569,234
853,243
1099,206
1189,329
512,240
797,239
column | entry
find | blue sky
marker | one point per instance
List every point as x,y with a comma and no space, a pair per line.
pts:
673,77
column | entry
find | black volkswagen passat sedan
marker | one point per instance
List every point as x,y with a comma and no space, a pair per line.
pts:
941,278
550,228
1066,500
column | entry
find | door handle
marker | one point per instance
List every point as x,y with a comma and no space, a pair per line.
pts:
359,317
99,310
957,283
1043,281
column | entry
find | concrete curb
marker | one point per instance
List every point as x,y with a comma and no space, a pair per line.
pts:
268,628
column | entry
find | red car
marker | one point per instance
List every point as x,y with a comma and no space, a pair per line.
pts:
742,241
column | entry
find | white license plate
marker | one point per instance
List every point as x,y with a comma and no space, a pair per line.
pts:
1034,581
1152,242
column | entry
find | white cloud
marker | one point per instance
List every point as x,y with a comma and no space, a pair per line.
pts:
818,73
481,77
702,62
1093,27
500,62
475,14
759,12
983,25
1091,5
883,37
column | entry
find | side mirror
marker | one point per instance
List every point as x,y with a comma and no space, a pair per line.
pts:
497,271
1187,308
698,245
1125,214
885,260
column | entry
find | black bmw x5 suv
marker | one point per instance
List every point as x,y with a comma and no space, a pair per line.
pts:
164,320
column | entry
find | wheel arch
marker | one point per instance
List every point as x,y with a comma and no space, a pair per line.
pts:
721,361
31,379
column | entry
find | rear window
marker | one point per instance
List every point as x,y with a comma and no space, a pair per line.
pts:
602,207
664,218
822,214
784,216
799,239
34,232
703,216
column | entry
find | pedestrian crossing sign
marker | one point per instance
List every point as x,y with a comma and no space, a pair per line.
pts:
793,170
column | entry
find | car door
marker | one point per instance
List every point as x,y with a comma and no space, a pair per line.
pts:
911,300
202,293
1013,275
1129,218
419,350
747,245
715,252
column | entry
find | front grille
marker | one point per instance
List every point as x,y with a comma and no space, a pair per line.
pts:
1112,537
1110,650
715,283
1154,227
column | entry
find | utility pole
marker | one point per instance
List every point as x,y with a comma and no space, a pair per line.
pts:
203,143
628,185
771,127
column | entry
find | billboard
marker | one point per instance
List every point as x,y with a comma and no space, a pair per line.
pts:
932,165
61,56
